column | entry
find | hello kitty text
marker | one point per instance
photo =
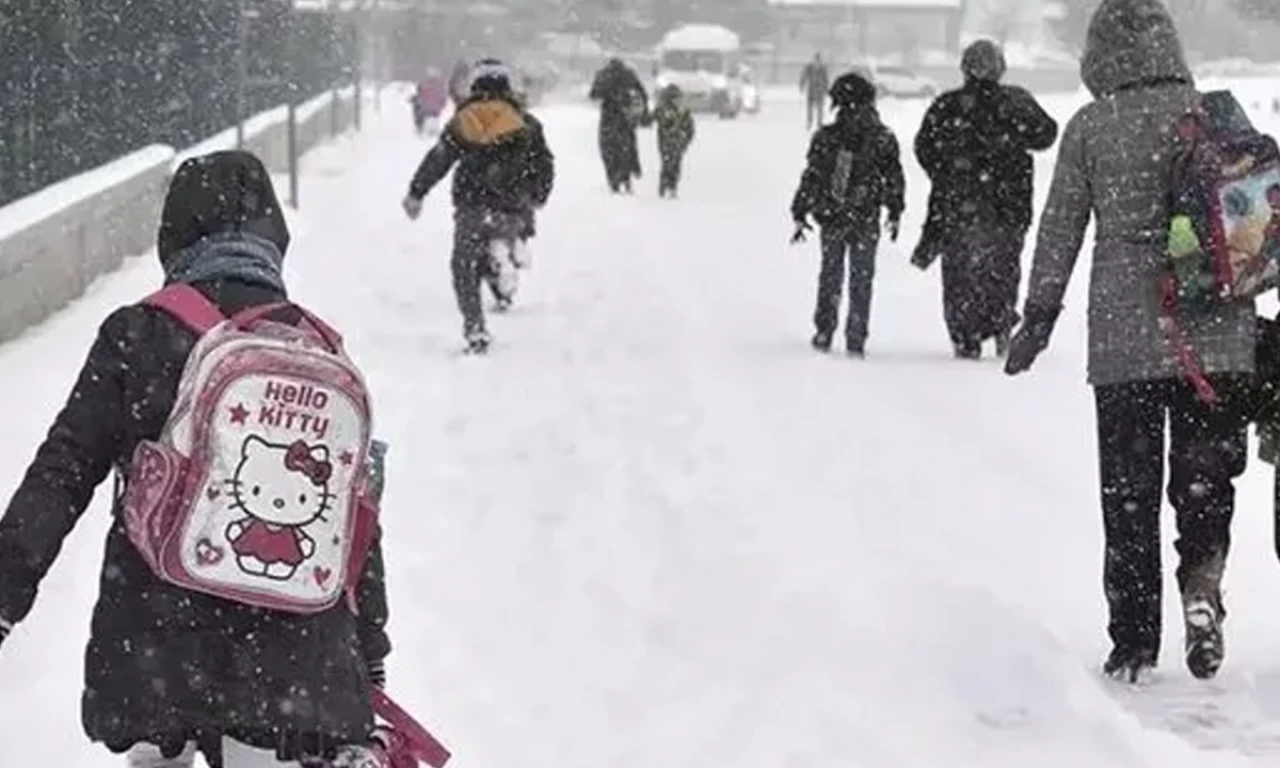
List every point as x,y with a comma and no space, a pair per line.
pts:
287,406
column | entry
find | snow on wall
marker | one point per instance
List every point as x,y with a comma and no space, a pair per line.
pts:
55,242
58,240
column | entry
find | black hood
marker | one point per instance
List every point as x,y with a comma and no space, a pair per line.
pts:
216,194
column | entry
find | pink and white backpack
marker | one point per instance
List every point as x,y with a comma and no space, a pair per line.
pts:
255,490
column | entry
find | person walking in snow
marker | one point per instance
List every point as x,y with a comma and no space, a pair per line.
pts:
676,129
815,81
975,145
168,668
505,171
624,105
1115,164
854,170
429,101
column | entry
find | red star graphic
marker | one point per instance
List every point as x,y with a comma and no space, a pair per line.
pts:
346,458
239,414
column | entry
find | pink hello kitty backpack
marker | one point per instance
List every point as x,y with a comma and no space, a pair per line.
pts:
255,490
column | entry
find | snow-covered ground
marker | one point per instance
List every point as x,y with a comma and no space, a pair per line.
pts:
654,529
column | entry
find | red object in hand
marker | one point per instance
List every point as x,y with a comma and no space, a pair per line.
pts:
406,741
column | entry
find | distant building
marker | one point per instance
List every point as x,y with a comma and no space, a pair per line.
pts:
853,29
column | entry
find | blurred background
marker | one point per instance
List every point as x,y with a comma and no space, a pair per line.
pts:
85,81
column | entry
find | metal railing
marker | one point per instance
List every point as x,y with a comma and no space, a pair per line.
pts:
86,81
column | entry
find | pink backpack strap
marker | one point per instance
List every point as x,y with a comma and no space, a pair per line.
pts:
188,305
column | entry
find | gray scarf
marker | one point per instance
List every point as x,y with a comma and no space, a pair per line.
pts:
231,255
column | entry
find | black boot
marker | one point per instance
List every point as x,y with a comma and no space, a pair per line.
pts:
822,341
968,350
1128,665
1204,643
1202,616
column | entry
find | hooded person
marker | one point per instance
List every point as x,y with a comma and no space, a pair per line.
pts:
854,171
975,144
1114,166
676,130
168,668
623,105
505,171
429,100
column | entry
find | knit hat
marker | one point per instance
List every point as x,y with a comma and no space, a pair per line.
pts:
983,60
490,77
852,90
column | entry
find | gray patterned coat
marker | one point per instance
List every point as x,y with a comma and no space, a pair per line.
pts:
1113,165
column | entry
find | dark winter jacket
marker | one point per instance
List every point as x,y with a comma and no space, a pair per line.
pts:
815,80
975,145
623,104
621,94
676,127
503,161
166,665
854,170
1114,165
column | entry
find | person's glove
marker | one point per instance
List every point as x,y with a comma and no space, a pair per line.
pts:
360,756
803,228
894,226
1031,338
412,206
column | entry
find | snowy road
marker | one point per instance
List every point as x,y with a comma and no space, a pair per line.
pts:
654,529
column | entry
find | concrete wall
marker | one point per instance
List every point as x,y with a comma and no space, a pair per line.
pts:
54,243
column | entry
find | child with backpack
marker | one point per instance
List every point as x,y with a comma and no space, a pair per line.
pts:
676,130
241,608
1166,358
505,172
854,170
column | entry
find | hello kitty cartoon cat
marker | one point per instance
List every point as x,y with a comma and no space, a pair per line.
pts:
281,489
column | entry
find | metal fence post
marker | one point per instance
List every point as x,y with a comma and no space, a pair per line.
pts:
242,71
291,32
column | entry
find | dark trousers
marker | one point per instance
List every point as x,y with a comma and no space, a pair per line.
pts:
473,231
669,178
857,245
981,272
1207,451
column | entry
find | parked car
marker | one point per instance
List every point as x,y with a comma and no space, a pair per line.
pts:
902,83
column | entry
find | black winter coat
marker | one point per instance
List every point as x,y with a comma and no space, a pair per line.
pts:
165,665
975,146
503,161
854,170
623,103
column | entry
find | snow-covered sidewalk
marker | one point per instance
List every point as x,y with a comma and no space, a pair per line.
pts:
652,528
